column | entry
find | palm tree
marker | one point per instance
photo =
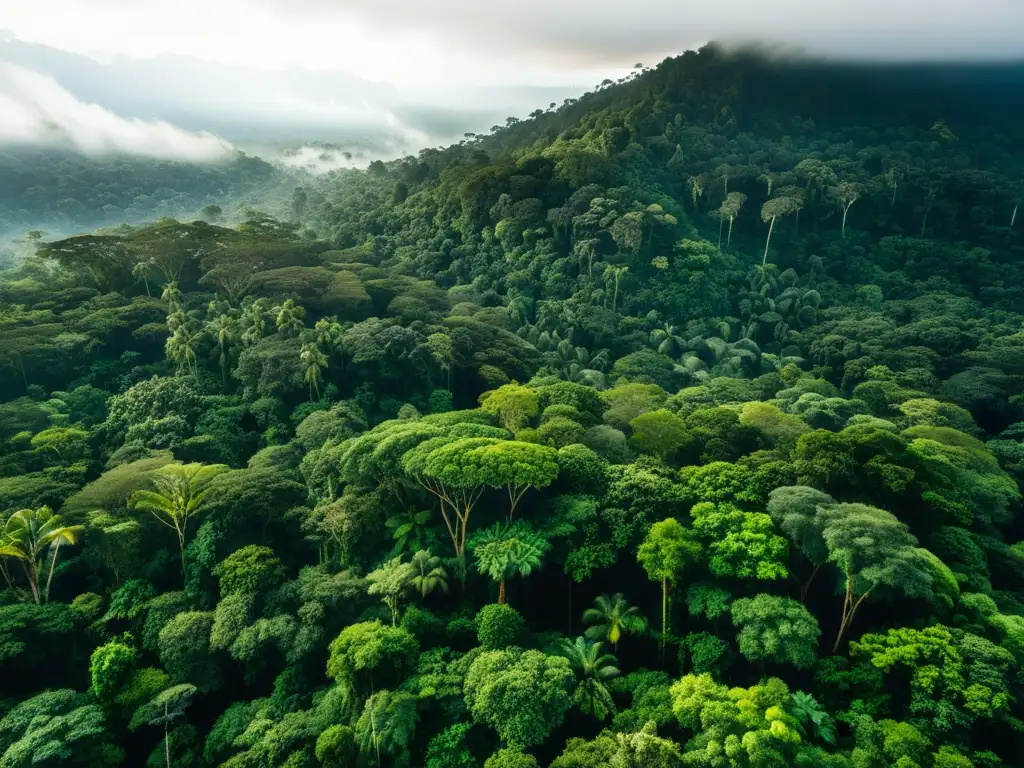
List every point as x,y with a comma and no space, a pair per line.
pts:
289,318
180,491
506,550
427,573
173,296
313,364
181,345
593,669
254,321
222,328
387,723
613,617
28,536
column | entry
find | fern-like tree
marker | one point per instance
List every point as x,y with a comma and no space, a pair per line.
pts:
387,725
506,550
611,618
428,575
29,536
178,495
593,671
163,709
390,581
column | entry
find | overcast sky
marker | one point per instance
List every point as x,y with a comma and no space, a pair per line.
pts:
173,77
420,42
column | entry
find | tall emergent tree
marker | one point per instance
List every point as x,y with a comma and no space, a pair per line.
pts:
179,493
664,553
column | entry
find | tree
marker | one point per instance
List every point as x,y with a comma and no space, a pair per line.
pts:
611,618
56,727
387,723
666,550
28,536
776,629
498,626
371,652
506,550
593,671
163,709
871,548
845,195
737,721
390,581
796,510
179,495
512,404
773,209
427,574
223,328
523,695
288,317
730,209
314,362
516,466
660,433
740,544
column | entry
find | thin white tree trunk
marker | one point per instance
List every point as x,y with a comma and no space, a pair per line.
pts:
770,227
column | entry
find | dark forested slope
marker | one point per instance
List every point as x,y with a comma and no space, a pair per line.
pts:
678,425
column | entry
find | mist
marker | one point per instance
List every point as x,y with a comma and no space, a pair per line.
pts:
36,110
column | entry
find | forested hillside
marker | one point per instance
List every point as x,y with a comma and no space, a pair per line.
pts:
62,191
678,425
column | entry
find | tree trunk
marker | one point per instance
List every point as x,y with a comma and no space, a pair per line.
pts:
845,211
1013,218
49,578
721,222
569,629
770,227
167,740
501,592
728,240
893,203
664,615
805,587
33,578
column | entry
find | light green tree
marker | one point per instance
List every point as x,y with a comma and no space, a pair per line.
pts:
29,536
665,552
178,495
390,580
506,550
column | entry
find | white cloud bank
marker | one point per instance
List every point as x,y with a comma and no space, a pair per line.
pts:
35,109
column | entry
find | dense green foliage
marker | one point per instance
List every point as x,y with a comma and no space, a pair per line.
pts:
677,426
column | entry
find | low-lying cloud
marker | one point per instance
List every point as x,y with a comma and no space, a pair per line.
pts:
35,109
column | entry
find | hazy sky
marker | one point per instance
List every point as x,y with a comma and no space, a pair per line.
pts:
170,77
456,42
